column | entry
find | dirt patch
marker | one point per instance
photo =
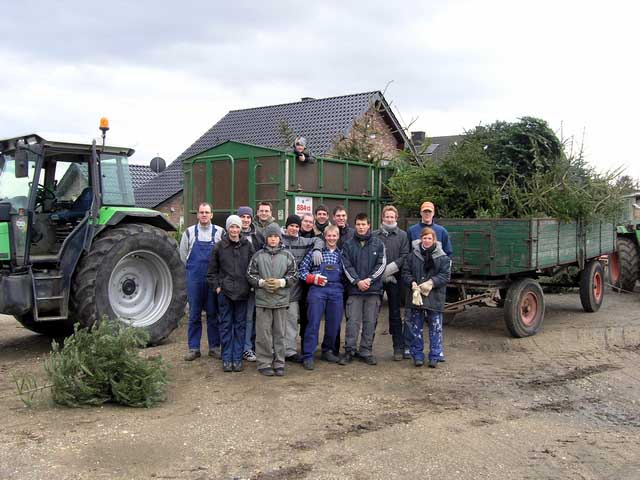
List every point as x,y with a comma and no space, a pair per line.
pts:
367,425
577,373
300,470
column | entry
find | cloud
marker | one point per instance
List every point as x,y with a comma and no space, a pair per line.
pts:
164,72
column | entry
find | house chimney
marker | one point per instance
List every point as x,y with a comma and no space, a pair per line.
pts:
306,99
417,138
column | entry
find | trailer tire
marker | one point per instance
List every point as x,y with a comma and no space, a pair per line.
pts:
524,308
132,272
53,329
592,286
624,266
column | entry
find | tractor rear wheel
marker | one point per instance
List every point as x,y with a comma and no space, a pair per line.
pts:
134,273
624,265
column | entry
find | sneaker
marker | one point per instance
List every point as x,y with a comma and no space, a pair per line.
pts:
227,367
279,372
433,363
192,355
330,357
249,356
368,359
406,354
237,366
308,364
346,359
398,355
215,352
267,372
418,362
295,358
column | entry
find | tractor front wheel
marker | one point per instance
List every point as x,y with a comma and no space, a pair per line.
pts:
133,273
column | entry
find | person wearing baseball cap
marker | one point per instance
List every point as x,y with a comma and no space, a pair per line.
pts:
427,212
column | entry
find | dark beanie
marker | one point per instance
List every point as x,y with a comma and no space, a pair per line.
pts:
245,211
293,219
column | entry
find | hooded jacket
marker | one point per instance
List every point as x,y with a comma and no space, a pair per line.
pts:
228,267
276,262
414,271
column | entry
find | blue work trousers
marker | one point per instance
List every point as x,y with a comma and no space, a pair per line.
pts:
416,326
233,320
325,300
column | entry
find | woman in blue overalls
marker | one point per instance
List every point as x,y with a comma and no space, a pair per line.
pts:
199,294
324,297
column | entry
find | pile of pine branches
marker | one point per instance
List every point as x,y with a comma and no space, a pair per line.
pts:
509,170
102,364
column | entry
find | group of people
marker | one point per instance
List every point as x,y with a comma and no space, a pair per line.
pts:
261,285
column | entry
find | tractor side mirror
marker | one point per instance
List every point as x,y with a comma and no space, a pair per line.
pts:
22,164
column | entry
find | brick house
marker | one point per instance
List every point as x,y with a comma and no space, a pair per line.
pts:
325,123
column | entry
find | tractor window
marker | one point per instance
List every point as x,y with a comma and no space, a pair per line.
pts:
15,190
117,188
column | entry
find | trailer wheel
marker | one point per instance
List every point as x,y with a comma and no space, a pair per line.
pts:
592,286
524,308
624,265
134,273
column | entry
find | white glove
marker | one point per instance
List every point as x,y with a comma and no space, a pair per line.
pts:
390,269
389,279
416,298
426,287
316,256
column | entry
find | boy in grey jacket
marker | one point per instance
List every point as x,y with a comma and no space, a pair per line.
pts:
272,272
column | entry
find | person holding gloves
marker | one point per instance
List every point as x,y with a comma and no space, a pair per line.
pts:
426,271
272,272
324,298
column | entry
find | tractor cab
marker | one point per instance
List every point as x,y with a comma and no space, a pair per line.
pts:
48,189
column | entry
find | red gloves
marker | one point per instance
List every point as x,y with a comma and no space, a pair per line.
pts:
316,279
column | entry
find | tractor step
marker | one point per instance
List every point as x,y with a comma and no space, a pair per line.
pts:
50,319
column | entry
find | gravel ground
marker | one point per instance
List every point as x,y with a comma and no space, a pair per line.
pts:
562,404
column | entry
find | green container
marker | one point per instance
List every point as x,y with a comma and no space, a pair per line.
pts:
501,247
234,174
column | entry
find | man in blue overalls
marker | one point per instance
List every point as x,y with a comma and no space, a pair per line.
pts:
324,297
195,248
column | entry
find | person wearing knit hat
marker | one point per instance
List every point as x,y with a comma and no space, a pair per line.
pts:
295,219
272,272
227,276
196,245
298,246
256,239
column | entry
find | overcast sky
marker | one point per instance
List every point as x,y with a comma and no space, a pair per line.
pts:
165,72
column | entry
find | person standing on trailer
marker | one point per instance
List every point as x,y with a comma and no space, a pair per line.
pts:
426,271
196,245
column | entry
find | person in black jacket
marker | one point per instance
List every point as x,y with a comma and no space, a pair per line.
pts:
340,220
397,247
227,276
427,270
301,152
364,262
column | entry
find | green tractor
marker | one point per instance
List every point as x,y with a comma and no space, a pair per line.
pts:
73,247
624,265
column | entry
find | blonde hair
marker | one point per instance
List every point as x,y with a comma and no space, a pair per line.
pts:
392,208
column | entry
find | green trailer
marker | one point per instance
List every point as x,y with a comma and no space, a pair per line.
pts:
503,263
233,174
